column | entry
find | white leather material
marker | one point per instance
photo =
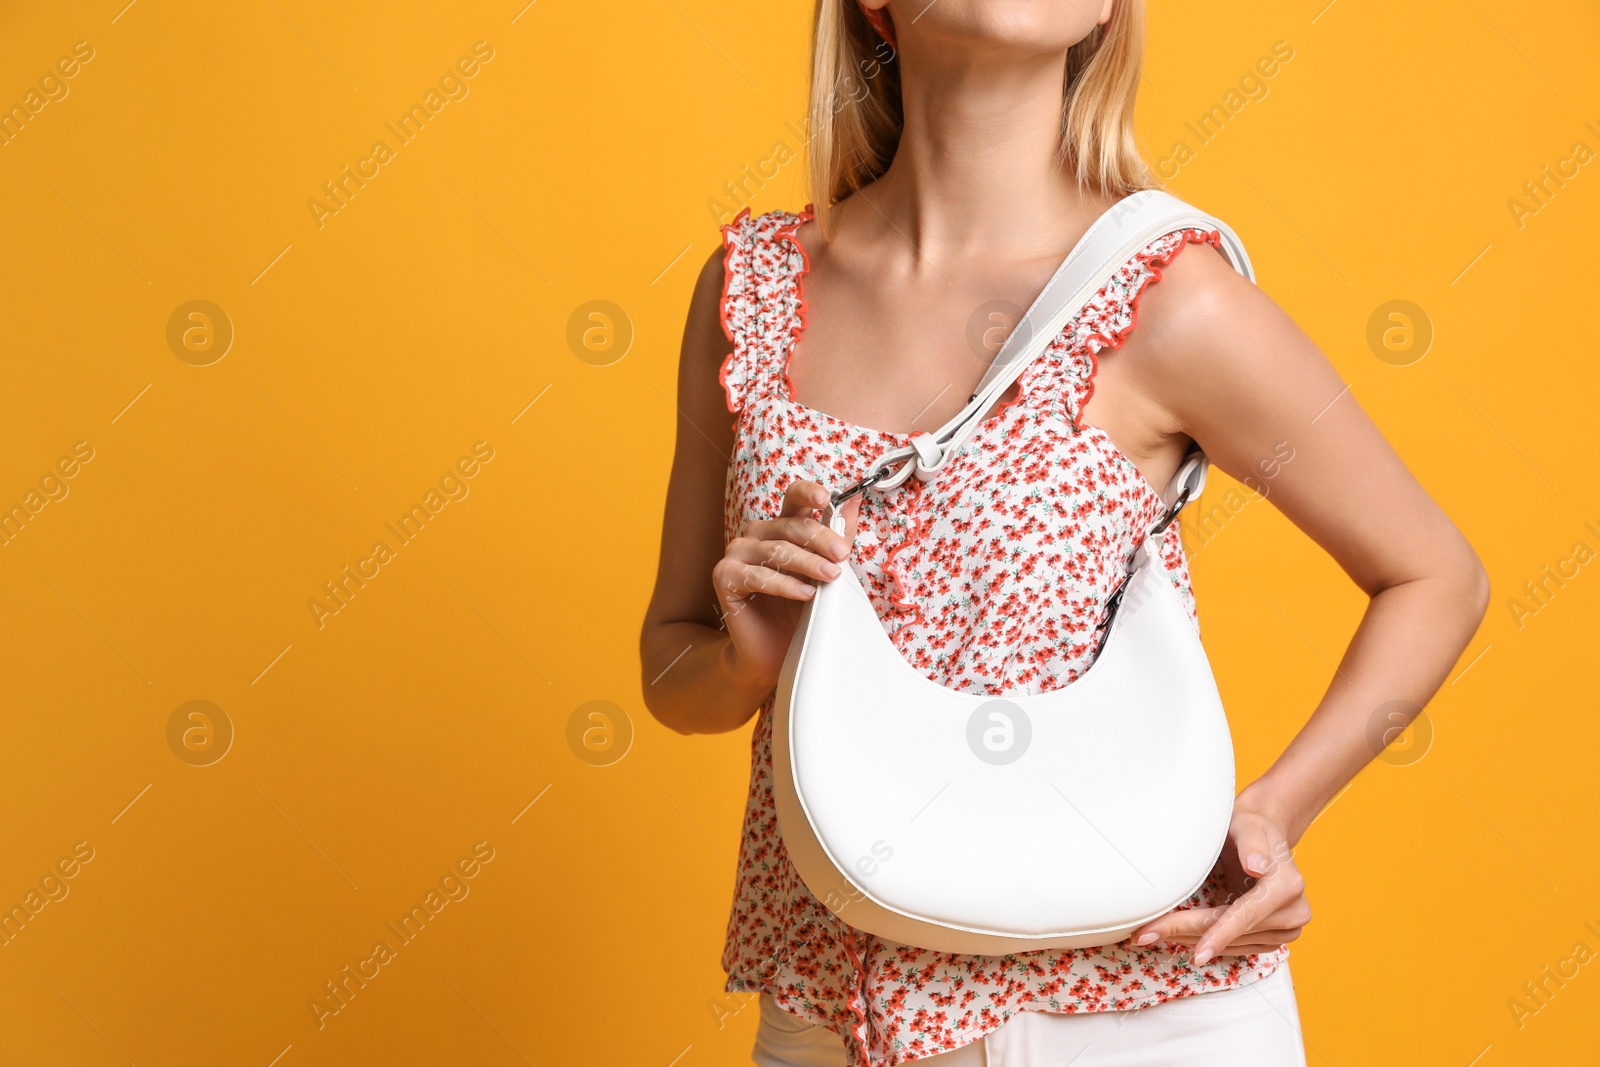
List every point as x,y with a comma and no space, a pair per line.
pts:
1113,814
991,825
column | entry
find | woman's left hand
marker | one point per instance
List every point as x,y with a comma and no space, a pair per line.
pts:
1266,892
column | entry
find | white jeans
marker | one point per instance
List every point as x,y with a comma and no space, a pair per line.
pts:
1257,1025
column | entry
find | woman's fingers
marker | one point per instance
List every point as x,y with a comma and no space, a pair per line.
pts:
1260,941
749,578
851,510
1259,847
796,524
1187,926
1262,917
782,555
1254,941
1255,842
737,583
788,555
800,534
802,498
1278,889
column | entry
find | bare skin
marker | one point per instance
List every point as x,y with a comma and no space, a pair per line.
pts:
972,210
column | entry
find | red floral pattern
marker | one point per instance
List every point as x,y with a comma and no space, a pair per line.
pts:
991,579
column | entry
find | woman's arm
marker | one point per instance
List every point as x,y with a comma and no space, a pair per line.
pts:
722,615
689,685
1237,375
1231,370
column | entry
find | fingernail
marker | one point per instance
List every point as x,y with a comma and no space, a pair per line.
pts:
1145,939
830,569
1256,863
1201,957
839,549
808,590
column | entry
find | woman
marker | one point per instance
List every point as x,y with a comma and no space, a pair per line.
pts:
955,165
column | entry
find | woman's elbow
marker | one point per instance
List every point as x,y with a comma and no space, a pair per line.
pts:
656,701
1472,578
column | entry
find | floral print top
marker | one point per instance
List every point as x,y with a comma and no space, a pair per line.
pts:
990,579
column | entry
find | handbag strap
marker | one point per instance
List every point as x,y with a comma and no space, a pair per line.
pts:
1122,230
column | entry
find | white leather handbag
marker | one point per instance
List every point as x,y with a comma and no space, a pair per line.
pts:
958,822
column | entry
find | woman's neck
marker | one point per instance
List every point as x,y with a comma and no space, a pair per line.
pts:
975,173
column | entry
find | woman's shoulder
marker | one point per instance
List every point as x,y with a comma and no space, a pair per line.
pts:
751,274
759,251
1200,296
745,238
1201,323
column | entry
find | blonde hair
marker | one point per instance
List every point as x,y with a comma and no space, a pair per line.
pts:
856,115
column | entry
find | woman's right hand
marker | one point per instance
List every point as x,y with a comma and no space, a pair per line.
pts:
770,571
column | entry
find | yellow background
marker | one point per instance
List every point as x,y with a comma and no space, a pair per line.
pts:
431,713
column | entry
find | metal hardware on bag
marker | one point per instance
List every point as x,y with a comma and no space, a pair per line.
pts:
1112,602
1115,599
883,472
1172,512
851,490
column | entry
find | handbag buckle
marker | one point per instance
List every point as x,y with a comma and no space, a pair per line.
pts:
1112,603
855,487
1115,599
1172,512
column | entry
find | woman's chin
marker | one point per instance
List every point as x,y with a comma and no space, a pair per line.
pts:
1019,25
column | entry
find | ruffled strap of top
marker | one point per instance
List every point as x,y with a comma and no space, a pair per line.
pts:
762,308
1063,379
